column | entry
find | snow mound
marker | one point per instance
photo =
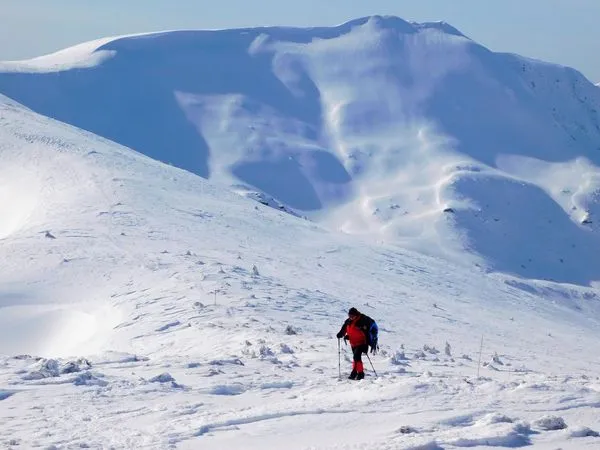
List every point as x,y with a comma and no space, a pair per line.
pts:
89,379
493,431
583,432
51,368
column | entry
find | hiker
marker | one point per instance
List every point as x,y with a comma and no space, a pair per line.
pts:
361,331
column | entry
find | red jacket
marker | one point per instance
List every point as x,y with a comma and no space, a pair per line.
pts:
355,334
357,330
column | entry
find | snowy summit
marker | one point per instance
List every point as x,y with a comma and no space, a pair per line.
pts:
187,217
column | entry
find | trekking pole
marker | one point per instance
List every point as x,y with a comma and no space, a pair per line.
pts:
339,360
479,362
372,365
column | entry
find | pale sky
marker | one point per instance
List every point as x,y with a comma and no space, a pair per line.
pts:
562,31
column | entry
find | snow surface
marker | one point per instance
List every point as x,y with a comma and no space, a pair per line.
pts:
374,127
142,306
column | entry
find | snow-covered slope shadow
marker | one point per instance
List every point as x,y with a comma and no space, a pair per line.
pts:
358,126
522,230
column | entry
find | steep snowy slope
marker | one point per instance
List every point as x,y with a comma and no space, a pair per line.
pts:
209,320
375,127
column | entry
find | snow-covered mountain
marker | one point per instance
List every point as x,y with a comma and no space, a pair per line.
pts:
207,319
402,132
142,306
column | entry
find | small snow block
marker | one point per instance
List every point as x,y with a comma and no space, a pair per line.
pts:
162,378
76,366
89,379
290,330
550,423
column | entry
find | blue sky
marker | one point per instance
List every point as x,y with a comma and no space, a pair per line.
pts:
562,31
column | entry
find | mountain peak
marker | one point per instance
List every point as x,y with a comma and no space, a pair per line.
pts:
398,24
381,21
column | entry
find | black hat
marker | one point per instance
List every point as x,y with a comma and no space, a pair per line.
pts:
353,312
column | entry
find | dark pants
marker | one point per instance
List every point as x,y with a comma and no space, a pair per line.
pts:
357,352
